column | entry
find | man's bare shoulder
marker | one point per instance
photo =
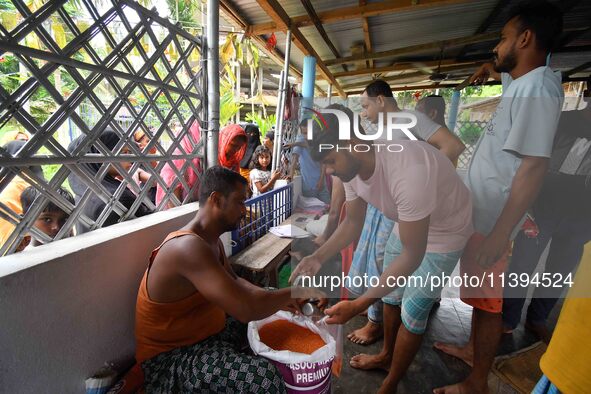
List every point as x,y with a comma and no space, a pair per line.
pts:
188,250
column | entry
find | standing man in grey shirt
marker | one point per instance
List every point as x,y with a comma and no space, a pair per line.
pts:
506,173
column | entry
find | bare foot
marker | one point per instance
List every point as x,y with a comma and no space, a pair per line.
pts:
464,353
464,387
367,334
541,330
371,361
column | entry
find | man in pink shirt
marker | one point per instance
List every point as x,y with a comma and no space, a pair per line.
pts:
415,185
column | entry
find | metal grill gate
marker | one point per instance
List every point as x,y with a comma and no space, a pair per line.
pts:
153,72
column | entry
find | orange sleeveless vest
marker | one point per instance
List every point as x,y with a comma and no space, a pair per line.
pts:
161,327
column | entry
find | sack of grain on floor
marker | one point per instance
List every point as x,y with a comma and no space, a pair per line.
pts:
302,351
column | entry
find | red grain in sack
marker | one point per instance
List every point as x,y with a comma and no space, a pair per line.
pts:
284,335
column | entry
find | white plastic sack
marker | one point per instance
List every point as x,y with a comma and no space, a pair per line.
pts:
302,373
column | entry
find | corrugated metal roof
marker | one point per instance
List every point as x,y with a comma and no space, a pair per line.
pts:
296,56
578,16
413,28
403,29
567,61
251,11
341,39
295,7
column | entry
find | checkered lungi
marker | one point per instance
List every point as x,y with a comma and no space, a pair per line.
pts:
214,365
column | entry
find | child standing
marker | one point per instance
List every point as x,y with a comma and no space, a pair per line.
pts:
261,178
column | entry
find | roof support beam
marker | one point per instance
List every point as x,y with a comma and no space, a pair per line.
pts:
310,10
355,12
417,48
570,36
578,69
565,6
501,4
366,36
401,66
578,49
420,87
278,14
452,85
234,16
416,74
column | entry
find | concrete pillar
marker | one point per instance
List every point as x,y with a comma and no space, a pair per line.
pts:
308,81
213,81
453,110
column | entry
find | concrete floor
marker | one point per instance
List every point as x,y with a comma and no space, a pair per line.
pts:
450,322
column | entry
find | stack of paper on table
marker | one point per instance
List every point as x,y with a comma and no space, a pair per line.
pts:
289,231
310,202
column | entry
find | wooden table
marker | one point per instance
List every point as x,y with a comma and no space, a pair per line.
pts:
262,259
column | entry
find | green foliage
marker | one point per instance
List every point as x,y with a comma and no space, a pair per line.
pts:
10,79
407,98
183,11
9,64
74,8
42,105
264,124
253,52
7,5
491,91
49,171
470,132
229,106
228,49
245,53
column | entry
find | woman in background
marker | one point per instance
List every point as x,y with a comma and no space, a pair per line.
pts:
190,145
253,136
232,147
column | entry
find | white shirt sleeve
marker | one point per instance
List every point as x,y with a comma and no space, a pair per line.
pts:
534,119
350,193
253,175
425,127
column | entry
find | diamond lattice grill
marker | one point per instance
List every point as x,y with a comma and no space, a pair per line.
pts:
72,69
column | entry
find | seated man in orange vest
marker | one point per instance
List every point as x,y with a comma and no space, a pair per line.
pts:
185,343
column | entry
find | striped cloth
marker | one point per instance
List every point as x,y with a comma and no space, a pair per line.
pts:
419,296
369,255
545,386
218,364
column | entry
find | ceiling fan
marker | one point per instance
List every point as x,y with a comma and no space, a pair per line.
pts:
438,76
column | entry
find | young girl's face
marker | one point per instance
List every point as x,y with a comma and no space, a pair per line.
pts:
264,160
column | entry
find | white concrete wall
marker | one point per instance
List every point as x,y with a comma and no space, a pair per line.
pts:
68,307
